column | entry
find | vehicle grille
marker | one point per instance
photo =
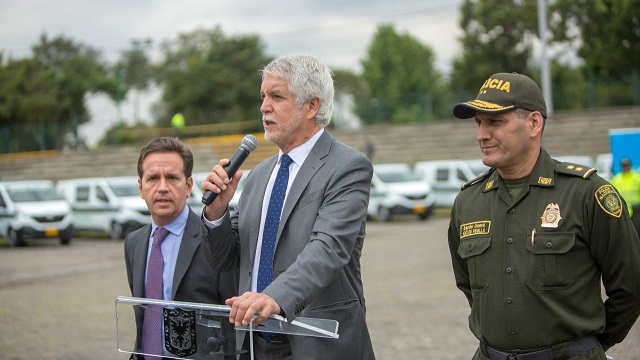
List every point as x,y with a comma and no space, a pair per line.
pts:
49,218
416,197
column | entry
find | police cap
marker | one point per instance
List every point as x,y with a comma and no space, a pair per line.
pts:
504,92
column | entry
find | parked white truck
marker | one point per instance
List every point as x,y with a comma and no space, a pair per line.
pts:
112,204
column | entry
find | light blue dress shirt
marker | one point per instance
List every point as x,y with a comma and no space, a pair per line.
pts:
170,248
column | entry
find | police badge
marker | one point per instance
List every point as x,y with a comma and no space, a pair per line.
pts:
180,331
551,216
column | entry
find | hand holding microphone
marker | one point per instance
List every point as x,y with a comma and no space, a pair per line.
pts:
249,143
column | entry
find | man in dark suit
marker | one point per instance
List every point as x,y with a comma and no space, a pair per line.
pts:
313,261
164,169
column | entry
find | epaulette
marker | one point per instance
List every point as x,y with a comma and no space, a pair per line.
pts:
477,179
575,170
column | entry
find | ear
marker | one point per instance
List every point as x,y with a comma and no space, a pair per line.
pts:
537,123
189,186
312,106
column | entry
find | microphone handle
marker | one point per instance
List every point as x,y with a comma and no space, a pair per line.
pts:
234,164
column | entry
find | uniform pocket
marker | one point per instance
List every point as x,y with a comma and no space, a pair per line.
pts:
473,249
551,266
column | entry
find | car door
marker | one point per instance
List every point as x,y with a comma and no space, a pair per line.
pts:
5,215
444,187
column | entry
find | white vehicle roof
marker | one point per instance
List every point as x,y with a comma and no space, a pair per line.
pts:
394,172
31,190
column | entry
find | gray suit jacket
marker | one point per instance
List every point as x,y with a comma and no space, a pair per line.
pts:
317,258
194,280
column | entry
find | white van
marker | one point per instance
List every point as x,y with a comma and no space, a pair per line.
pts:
395,190
445,177
195,199
33,210
111,204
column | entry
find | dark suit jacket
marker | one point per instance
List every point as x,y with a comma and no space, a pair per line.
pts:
194,280
318,248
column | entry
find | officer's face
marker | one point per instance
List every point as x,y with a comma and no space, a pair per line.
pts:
505,140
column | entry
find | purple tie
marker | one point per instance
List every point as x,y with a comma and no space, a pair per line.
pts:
152,327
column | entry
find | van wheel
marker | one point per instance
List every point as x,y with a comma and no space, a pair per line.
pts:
116,231
384,215
15,239
65,240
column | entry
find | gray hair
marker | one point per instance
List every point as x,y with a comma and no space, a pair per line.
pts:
308,79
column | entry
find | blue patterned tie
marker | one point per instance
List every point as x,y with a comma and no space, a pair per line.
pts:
152,326
270,231
271,223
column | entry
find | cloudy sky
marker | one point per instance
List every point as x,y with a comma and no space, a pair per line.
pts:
337,31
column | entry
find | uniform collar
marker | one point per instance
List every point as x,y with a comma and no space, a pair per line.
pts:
542,174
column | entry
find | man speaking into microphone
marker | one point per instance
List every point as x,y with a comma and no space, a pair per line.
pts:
298,230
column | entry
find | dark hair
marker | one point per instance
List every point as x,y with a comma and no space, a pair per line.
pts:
167,144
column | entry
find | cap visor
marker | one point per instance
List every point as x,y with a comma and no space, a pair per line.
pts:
468,109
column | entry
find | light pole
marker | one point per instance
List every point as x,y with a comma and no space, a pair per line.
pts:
546,72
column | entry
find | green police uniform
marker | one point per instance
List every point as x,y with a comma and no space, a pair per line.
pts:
530,267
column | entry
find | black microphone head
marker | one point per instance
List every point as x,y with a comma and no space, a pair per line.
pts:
249,143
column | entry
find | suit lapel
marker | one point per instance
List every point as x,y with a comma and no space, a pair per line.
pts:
311,165
256,197
141,250
188,246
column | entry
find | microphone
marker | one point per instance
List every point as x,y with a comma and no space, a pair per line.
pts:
249,143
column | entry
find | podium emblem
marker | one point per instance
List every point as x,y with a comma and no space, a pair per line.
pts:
180,331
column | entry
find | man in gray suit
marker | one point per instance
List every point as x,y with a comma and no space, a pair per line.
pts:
314,265
164,169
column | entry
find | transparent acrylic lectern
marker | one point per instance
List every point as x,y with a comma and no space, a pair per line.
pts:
203,331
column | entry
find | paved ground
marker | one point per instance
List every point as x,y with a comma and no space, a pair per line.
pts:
58,302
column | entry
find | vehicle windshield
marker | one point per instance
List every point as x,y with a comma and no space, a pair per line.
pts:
28,193
125,188
396,175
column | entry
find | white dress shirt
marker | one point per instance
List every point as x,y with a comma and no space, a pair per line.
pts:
298,155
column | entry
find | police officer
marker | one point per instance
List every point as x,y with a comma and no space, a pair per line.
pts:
531,238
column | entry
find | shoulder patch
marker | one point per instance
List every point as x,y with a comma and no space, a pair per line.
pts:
477,179
574,170
609,200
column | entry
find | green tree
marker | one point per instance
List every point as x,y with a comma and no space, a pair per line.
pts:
28,101
134,71
121,133
43,97
350,88
498,37
605,33
570,87
211,78
401,79
348,82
